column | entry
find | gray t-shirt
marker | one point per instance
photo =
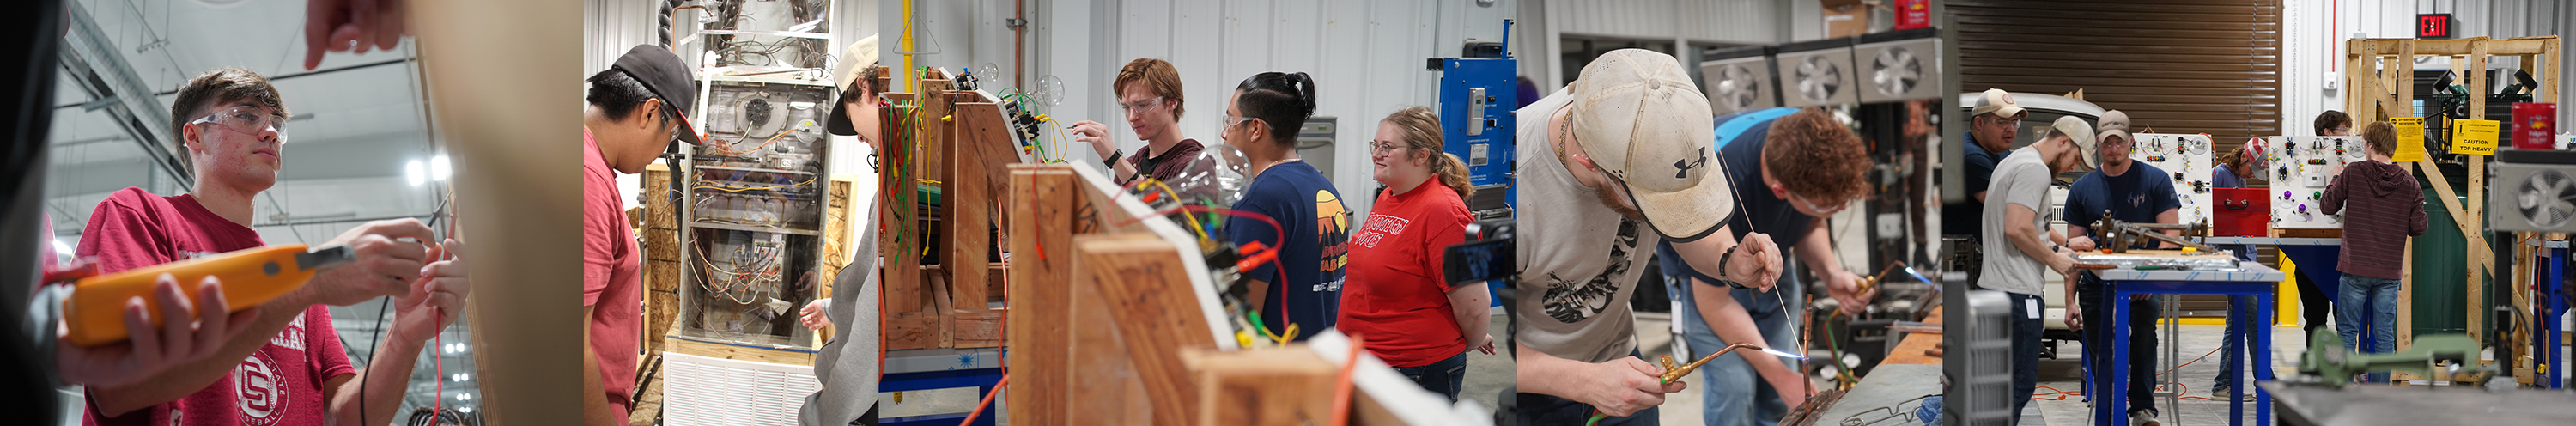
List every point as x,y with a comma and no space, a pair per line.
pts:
2020,180
1579,259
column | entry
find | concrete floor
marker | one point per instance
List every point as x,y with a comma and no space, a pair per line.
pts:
1487,375
2198,407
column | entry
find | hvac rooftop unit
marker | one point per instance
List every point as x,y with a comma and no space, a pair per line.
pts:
1815,73
1899,66
1740,79
2533,191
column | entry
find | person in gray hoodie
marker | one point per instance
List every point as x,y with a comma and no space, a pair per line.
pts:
2387,206
847,365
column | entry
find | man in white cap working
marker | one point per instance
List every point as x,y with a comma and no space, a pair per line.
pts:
1991,128
2133,192
2017,243
848,365
1631,144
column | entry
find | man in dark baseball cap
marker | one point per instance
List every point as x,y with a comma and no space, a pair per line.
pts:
662,74
636,108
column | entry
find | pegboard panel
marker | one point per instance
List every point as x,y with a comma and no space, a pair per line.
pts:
2186,160
2302,167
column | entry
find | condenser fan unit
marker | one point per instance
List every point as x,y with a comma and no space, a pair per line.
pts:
1818,78
2547,198
1895,70
1738,87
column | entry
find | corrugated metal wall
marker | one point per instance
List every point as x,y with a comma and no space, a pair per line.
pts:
1671,19
2176,66
2315,32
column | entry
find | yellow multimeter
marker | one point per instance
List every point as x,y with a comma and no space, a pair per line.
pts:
95,313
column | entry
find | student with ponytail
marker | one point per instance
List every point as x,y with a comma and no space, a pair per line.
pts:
1398,297
1261,119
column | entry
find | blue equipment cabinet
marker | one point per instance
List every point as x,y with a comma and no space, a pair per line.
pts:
1477,96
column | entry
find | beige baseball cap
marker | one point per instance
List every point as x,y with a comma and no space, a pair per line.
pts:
2113,123
1643,122
857,58
1998,102
2082,135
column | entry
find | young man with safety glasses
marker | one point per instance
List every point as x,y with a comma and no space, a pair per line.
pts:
1149,96
289,367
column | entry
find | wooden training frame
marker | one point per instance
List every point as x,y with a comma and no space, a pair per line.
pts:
958,145
2381,83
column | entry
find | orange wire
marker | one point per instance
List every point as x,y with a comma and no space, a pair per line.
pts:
1342,386
988,401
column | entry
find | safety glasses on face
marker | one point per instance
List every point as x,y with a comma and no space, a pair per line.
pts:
247,119
1148,105
1821,210
1228,122
2009,122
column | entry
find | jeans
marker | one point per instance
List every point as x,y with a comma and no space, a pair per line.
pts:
1544,409
1443,377
2377,298
1731,392
2092,297
2025,345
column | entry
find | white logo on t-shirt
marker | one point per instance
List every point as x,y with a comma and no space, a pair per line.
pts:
256,385
292,337
1379,227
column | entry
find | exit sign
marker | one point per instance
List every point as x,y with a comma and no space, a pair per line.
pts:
2433,25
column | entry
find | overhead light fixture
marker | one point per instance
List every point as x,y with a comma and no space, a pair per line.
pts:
62,249
439,169
417,174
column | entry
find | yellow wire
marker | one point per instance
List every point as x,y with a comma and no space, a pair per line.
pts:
1176,198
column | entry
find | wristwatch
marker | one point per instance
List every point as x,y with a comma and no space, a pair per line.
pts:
1112,161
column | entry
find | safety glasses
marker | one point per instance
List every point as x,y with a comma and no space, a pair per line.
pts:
247,119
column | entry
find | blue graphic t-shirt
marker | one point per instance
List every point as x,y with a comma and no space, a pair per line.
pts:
1314,253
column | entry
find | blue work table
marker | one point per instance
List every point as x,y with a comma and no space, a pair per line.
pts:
2249,279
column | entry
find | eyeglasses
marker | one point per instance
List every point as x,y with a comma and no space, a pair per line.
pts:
1821,210
1148,105
1229,121
1383,147
247,119
2014,122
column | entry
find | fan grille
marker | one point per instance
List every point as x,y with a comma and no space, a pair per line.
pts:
2548,198
1819,78
1895,70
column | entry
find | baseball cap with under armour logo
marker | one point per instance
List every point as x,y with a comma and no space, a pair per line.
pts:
1643,122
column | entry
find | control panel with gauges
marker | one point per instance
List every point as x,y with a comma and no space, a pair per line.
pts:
2302,167
2186,160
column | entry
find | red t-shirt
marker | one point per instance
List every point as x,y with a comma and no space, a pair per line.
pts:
281,384
1396,296
609,283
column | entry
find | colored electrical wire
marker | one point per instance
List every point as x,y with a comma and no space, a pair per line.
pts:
1342,385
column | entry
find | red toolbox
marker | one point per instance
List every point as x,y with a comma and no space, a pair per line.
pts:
2242,212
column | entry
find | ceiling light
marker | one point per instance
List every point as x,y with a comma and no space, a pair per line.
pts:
416,173
62,249
438,168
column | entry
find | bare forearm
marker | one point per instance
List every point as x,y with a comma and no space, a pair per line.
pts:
393,362
1817,249
1708,252
1467,305
188,378
1545,374
1731,323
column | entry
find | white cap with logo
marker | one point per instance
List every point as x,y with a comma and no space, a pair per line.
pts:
1643,122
